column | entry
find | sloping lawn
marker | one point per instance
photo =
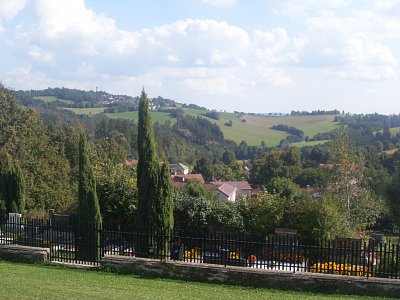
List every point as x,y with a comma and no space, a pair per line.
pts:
27,281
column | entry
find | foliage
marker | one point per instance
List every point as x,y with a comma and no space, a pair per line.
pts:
276,163
203,166
198,130
41,157
289,129
348,186
228,157
212,115
12,186
191,213
262,213
89,208
155,205
116,190
148,167
165,199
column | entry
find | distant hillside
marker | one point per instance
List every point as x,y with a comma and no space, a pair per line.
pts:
254,129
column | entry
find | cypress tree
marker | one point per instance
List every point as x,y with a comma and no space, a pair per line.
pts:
155,205
166,204
89,217
148,168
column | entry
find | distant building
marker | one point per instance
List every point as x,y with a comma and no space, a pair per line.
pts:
179,181
178,169
226,192
243,188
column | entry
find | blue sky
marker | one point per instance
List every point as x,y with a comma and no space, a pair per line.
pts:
251,56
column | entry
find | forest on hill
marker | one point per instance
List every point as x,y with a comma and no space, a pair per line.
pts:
42,141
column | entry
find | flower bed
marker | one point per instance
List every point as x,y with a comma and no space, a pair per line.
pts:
341,269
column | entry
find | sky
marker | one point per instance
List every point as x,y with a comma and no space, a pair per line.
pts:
236,55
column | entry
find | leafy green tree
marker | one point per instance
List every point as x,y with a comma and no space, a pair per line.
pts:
191,213
265,212
39,151
228,157
348,185
277,163
89,216
117,191
203,166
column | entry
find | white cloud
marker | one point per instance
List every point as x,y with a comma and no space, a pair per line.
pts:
9,9
219,3
272,76
69,44
276,47
40,54
364,72
301,8
358,45
364,51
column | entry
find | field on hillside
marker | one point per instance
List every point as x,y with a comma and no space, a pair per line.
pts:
258,128
394,130
87,111
251,128
28,281
156,116
49,99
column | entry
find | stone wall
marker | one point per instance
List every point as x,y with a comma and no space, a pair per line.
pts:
257,277
24,253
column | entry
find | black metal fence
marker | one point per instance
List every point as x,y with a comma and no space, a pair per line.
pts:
71,242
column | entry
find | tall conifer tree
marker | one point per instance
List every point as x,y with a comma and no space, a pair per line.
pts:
165,199
155,206
89,216
148,167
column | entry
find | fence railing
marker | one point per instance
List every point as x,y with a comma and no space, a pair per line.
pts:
86,243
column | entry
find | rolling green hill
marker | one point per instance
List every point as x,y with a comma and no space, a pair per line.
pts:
251,128
258,128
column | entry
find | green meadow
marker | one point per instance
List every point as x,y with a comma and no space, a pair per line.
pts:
253,129
49,99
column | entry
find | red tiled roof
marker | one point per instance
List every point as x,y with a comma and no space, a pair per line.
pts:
186,177
179,181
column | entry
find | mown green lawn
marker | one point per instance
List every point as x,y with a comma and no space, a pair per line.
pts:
27,281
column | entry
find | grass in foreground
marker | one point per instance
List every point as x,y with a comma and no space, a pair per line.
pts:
26,281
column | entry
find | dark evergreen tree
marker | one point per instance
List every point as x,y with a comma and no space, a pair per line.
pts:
165,199
12,186
89,217
148,167
155,205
